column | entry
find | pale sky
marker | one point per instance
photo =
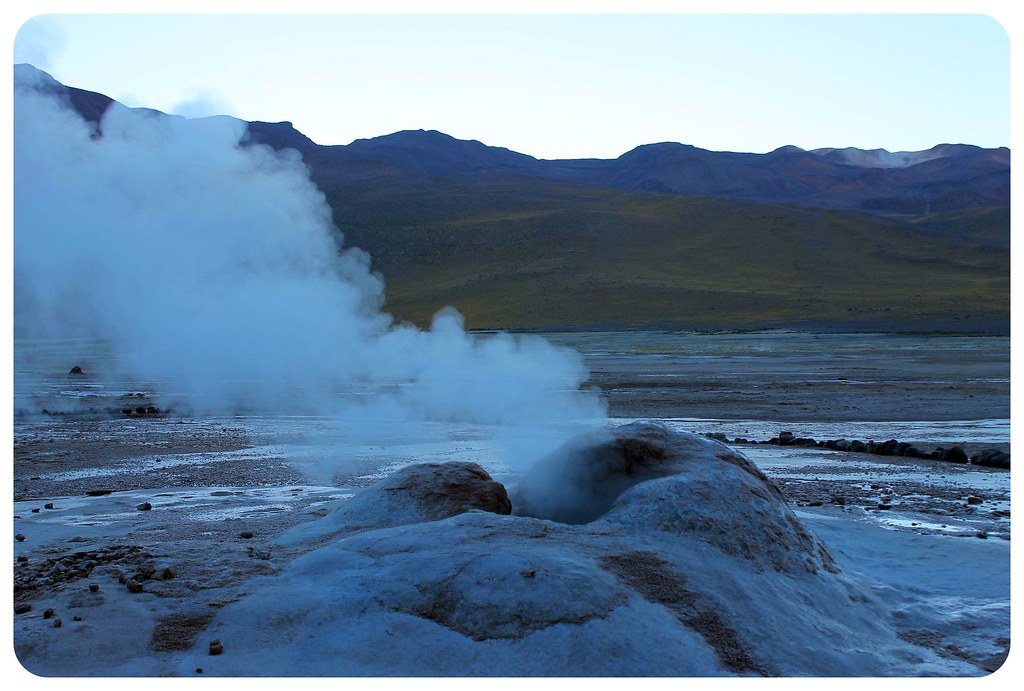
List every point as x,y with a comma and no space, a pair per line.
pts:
557,86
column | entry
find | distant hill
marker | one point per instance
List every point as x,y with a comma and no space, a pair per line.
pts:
518,251
668,235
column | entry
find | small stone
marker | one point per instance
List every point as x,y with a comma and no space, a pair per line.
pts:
77,618
167,573
884,507
94,587
22,558
35,510
199,670
245,535
48,506
22,608
48,613
982,534
974,500
77,369
57,623
144,506
134,586
19,537
814,503
216,648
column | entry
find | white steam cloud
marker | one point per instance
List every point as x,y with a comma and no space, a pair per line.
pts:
215,268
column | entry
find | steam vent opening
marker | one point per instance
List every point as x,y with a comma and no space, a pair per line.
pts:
580,482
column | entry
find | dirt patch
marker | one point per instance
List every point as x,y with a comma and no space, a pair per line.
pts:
650,576
178,631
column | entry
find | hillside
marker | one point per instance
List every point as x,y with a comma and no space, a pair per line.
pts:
515,251
666,235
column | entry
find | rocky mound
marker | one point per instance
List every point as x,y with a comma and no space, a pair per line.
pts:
414,494
692,565
579,481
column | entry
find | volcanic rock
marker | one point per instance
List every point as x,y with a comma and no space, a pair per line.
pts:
955,455
992,458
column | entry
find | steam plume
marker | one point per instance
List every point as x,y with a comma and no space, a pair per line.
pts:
215,268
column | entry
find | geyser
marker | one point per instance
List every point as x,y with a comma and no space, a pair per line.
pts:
215,268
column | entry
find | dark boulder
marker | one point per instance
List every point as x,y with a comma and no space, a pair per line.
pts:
955,455
992,458
887,448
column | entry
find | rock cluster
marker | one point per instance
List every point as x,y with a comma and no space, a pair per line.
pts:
35,574
991,458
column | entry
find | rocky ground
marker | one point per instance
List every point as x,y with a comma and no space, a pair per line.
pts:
219,498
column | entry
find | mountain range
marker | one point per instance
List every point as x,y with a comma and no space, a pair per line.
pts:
667,235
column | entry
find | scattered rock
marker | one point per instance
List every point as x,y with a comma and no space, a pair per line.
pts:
245,535
992,458
22,558
99,492
982,534
48,506
36,510
77,369
76,618
57,623
144,506
94,587
19,537
953,455
887,448
48,613
134,586
974,500
22,608
216,647
884,507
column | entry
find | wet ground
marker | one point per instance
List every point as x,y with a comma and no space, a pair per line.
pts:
219,489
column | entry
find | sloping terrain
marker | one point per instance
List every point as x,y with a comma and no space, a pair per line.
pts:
516,251
667,235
